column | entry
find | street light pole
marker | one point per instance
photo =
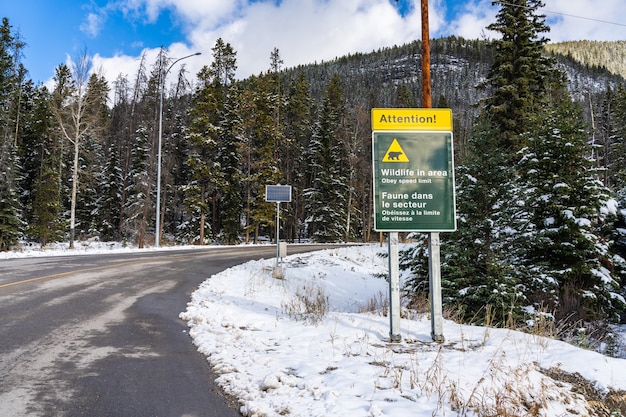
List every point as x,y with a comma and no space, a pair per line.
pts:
157,239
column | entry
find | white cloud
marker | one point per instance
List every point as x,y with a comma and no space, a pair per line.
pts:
147,10
197,13
92,25
308,31
568,20
585,19
472,20
117,65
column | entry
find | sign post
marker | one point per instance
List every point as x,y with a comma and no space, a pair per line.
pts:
278,194
413,177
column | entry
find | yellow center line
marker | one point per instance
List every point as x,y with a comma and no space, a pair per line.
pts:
95,268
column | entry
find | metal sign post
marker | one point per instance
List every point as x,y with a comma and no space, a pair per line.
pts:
394,289
278,194
277,233
434,288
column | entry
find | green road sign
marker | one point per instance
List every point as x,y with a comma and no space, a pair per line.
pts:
413,181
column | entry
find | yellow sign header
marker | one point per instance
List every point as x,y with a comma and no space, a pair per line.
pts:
412,119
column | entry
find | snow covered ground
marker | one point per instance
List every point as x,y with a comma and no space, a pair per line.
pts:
89,247
315,344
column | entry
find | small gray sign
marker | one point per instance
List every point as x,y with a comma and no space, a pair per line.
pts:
278,193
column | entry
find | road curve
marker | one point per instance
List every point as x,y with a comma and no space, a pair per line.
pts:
99,335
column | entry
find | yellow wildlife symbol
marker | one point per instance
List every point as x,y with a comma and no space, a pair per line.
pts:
395,153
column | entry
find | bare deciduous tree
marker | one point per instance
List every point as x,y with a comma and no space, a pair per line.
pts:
75,107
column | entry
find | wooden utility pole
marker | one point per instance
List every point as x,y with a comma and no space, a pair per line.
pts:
434,261
426,91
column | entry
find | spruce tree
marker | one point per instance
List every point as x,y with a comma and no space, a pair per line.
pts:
135,212
11,78
574,273
108,210
520,72
92,158
229,161
478,272
261,147
326,196
176,151
139,154
215,133
42,153
616,151
298,131
201,193
616,168
485,265
47,224
10,208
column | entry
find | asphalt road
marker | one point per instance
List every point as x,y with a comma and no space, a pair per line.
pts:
99,335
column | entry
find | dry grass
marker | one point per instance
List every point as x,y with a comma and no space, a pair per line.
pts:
308,304
378,302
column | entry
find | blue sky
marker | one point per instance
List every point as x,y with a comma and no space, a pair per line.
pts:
117,32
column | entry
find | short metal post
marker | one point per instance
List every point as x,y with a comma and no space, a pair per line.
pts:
394,289
277,232
434,272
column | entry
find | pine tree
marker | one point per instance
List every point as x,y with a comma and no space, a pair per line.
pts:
484,268
174,171
179,152
10,220
260,148
265,147
109,208
41,155
326,196
520,72
144,151
128,118
573,270
112,194
215,132
11,78
138,188
298,121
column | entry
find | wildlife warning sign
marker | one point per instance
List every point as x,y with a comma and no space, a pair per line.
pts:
413,177
395,153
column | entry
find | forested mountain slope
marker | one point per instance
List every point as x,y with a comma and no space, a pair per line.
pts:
609,55
458,67
391,77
